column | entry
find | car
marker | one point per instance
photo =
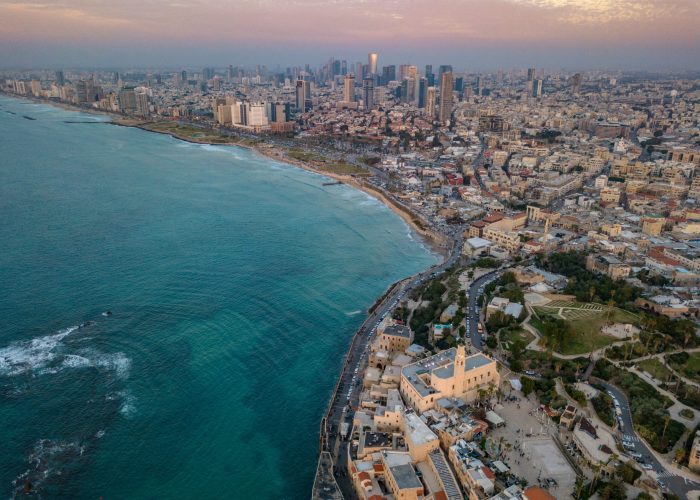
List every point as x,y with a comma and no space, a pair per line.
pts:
647,467
661,484
530,373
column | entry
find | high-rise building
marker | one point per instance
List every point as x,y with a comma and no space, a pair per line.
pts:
459,83
430,102
530,74
36,88
444,68
372,63
388,74
537,88
183,76
303,95
229,73
368,93
408,90
207,74
422,92
343,67
279,112
87,91
127,100
446,86
349,88
300,95
142,106
429,75
60,79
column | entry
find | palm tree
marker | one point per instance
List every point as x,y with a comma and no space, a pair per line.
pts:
667,419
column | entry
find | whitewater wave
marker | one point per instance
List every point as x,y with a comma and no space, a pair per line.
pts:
45,356
118,363
353,313
20,357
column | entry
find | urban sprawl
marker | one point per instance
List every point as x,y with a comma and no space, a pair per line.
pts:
555,352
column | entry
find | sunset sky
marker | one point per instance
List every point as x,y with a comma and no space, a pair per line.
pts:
478,34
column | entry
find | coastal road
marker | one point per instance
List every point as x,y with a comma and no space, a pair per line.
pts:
346,400
672,481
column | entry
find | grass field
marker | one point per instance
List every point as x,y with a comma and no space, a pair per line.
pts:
325,164
690,369
586,320
507,337
655,368
196,134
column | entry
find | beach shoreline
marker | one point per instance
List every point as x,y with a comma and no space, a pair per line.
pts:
433,239
436,241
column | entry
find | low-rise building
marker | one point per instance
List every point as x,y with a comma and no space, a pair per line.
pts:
450,373
608,265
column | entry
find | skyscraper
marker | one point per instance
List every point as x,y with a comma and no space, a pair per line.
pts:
530,74
303,95
422,91
60,80
536,88
444,68
430,102
388,74
446,86
372,63
368,93
349,88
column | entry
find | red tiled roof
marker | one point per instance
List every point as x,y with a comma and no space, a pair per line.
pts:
488,473
537,493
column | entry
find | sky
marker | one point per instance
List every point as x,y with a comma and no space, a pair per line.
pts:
469,34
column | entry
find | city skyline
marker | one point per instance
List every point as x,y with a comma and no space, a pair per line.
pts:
586,34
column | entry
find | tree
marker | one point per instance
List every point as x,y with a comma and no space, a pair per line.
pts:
613,491
528,385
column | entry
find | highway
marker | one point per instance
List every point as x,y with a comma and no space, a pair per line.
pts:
668,480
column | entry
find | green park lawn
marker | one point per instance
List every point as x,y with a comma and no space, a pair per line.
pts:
655,368
586,320
689,369
508,336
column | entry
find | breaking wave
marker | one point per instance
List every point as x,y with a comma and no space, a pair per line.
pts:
47,355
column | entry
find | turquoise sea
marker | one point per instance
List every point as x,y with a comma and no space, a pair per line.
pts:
235,285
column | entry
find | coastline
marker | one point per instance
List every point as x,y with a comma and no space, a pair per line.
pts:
435,241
